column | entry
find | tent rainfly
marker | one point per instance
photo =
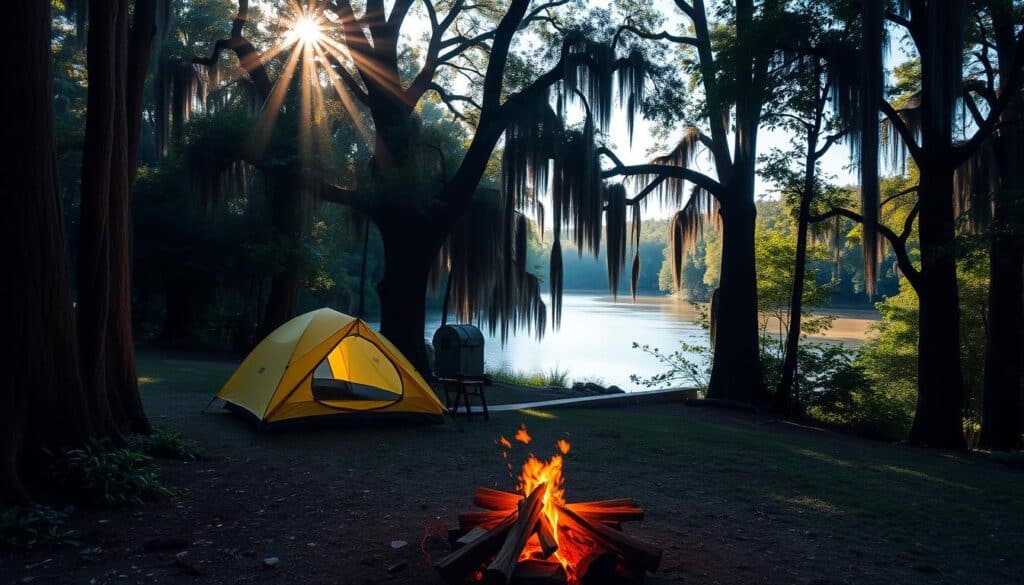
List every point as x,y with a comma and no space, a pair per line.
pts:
326,363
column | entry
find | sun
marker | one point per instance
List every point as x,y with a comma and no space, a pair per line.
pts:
306,30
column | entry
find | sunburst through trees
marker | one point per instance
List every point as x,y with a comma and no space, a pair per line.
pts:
312,57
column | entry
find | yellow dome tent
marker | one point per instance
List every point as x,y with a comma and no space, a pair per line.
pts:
327,363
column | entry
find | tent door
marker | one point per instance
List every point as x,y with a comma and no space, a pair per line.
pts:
356,371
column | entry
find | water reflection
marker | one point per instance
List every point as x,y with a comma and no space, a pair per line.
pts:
595,340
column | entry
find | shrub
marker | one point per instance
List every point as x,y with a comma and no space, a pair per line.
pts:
112,477
168,444
681,367
37,525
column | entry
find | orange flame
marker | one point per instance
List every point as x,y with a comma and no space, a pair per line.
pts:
522,436
534,473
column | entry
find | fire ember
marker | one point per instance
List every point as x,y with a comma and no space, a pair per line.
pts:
535,536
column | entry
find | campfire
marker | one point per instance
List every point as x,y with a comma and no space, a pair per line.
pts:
535,536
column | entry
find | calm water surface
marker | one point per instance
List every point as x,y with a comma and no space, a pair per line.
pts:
594,342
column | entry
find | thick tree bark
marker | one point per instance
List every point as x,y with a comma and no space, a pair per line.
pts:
140,47
288,216
109,162
1001,423
1001,385
122,383
938,420
94,246
736,371
41,400
402,291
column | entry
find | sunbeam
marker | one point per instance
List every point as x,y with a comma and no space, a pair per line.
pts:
311,49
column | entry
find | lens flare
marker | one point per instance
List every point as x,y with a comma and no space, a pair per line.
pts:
306,30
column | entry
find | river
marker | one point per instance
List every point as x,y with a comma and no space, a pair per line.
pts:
594,342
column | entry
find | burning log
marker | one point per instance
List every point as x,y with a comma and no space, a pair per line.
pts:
466,560
536,572
488,520
634,551
617,510
597,513
546,537
504,565
491,499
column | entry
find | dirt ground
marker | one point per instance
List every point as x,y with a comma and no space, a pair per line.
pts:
731,498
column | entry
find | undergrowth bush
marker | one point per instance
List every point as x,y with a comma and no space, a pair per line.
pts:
109,476
167,444
33,526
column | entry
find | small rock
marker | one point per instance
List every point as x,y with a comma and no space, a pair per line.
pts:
397,544
271,562
397,567
613,389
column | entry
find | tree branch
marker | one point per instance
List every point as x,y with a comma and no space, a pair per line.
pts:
669,172
686,8
829,141
248,57
660,36
972,107
897,122
636,199
349,81
908,224
896,18
898,195
1008,88
447,98
899,245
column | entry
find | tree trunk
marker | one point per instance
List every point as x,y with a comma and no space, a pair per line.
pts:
938,420
736,370
402,292
41,400
94,246
288,215
1001,385
785,392
122,383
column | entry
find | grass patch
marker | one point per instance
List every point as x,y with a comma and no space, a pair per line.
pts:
553,378
819,483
